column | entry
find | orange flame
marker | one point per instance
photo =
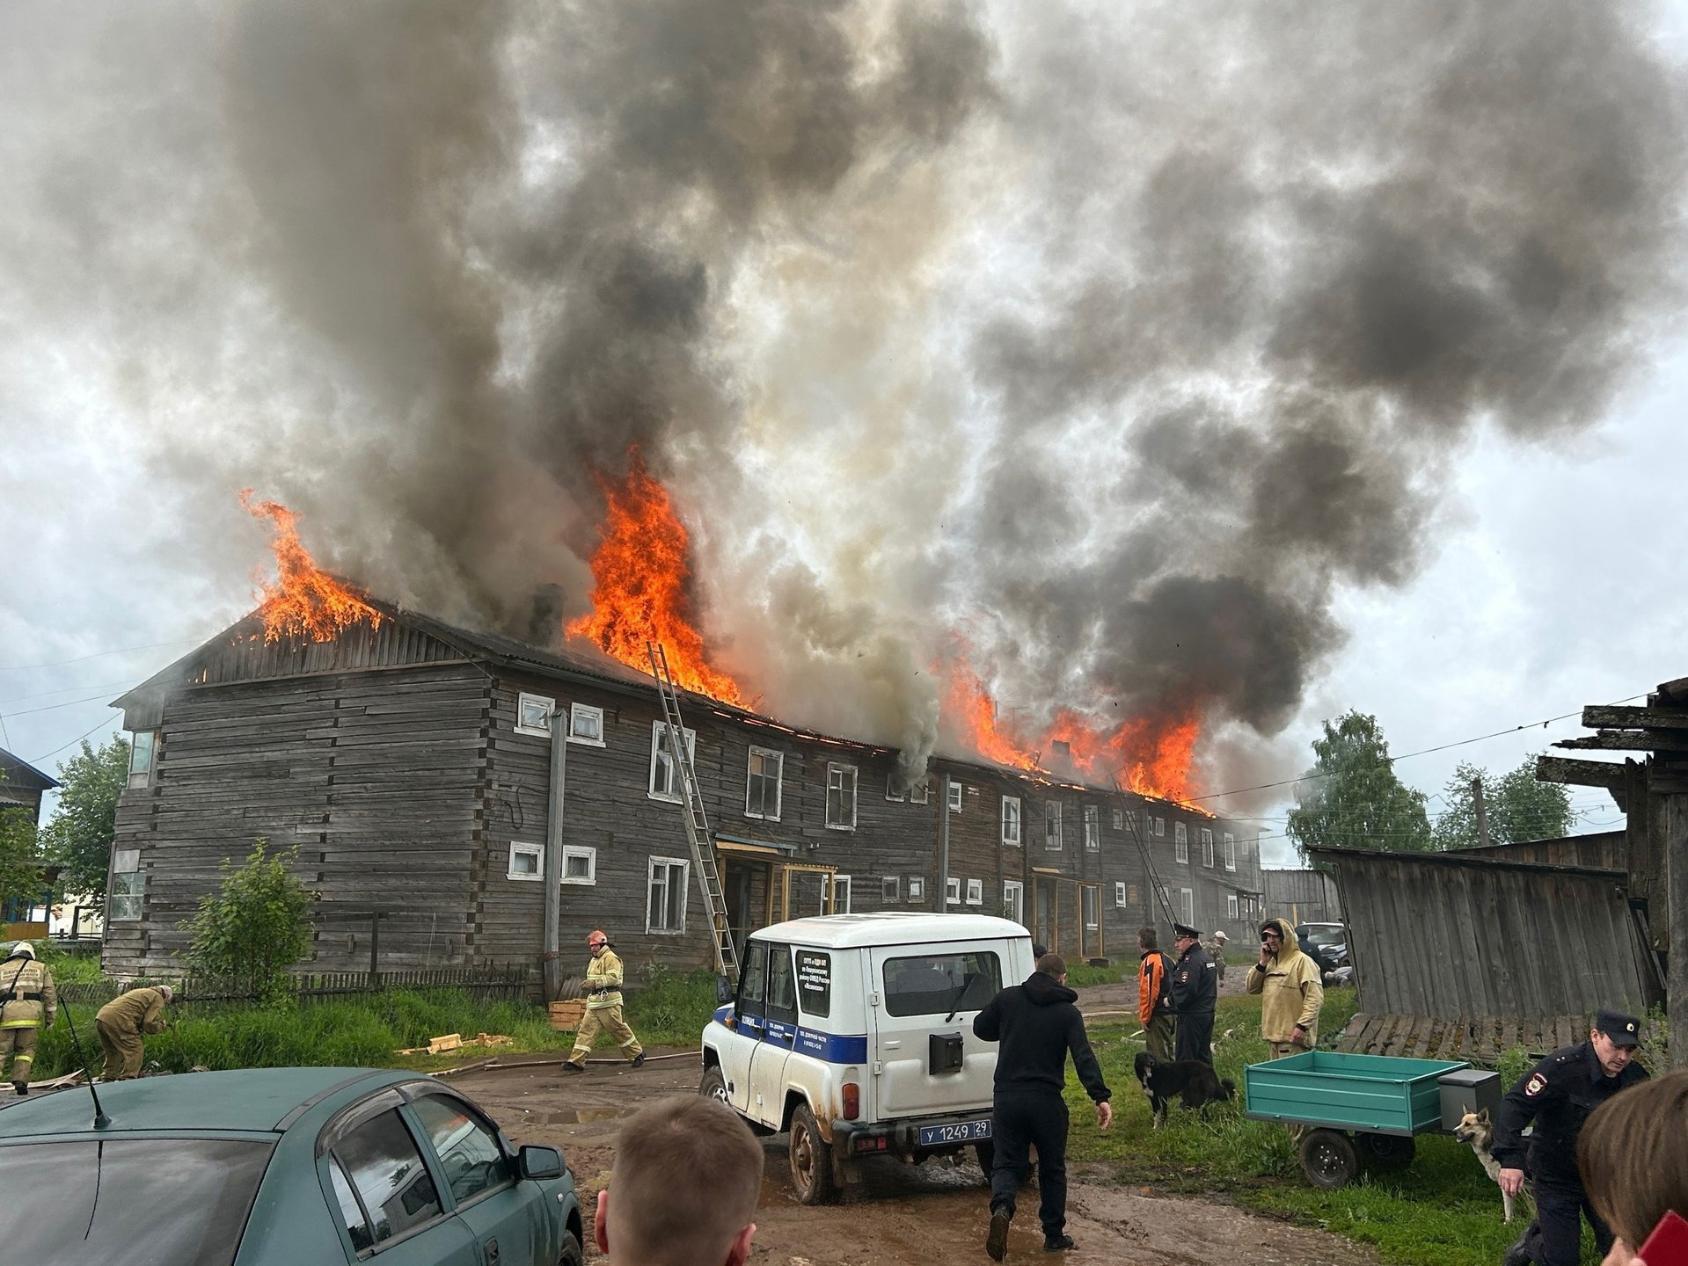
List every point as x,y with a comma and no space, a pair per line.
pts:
639,574
304,601
1149,755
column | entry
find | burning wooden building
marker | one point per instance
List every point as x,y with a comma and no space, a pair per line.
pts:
409,761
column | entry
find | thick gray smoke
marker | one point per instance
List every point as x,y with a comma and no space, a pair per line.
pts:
1116,341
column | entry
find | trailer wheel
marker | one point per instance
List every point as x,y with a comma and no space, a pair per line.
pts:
1328,1159
811,1159
1387,1151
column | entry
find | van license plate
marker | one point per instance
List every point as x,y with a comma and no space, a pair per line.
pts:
960,1132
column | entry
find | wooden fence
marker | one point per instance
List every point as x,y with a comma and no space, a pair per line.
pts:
507,981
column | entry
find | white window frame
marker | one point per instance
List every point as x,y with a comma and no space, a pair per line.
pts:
1119,894
142,777
779,782
921,794
1180,844
578,712
890,782
1094,892
1014,899
591,856
1092,815
1207,847
523,700
975,892
520,849
1230,851
1231,906
1160,827
1052,820
832,768
952,891
669,863
891,888
126,862
842,883
955,797
1011,822
915,888
659,746
1187,903
1119,819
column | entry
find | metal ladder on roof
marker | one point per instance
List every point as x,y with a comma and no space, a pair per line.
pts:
696,819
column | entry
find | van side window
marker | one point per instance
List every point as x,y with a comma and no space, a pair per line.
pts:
782,985
936,984
814,982
753,980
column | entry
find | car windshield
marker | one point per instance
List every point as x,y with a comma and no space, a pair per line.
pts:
1325,936
182,1201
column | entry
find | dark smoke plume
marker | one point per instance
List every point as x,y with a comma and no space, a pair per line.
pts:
1117,340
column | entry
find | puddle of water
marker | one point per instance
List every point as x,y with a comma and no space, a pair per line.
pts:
576,1116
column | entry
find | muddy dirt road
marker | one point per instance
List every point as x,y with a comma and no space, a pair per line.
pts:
903,1215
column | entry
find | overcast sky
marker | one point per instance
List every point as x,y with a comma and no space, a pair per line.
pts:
1551,577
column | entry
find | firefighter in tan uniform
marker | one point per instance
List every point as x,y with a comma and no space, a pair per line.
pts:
28,1002
603,1008
122,1024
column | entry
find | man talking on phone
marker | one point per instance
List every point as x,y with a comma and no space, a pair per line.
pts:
1288,982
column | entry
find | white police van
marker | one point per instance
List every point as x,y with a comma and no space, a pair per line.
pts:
854,1032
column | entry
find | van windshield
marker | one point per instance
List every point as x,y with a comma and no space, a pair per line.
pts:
941,983
182,1201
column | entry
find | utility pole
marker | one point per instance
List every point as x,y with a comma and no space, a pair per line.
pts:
1482,813
943,849
551,965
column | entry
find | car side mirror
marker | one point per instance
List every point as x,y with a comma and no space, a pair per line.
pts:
540,1162
723,990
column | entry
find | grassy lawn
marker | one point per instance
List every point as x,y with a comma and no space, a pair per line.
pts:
1441,1209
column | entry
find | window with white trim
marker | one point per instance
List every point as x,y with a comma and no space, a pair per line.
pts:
955,797
895,790
921,794
1052,825
916,888
586,725
533,714
1119,819
665,906
840,797
665,779
891,888
1014,900
527,861
580,864
128,885
840,884
1180,844
1231,906
1092,828
143,751
1187,904
975,892
1207,848
1131,821
762,784
1091,900
1160,827
952,891
1011,821
1230,851
1119,895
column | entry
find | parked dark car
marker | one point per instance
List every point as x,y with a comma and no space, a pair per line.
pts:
1328,944
279,1165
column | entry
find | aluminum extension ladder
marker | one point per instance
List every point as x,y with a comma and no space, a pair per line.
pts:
697,821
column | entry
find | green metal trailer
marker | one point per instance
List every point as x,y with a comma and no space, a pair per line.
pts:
1355,1108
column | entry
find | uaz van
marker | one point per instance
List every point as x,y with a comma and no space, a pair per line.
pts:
854,1032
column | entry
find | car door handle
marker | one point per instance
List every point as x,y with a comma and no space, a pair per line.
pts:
491,1247
892,1046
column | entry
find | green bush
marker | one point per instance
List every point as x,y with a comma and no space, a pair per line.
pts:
255,926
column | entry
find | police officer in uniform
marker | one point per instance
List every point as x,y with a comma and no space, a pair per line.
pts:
1195,994
1558,1094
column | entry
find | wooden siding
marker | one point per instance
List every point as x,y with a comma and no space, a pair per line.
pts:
1606,850
1439,936
1302,896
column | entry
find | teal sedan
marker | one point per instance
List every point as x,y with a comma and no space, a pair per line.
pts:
268,1166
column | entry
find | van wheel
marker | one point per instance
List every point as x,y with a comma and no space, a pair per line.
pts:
811,1159
985,1153
714,1085
571,1255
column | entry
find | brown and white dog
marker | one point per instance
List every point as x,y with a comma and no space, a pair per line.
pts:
1476,1130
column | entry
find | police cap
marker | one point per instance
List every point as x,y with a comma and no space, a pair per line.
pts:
1624,1030
1184,929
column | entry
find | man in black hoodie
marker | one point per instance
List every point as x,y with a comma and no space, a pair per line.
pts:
1036,1024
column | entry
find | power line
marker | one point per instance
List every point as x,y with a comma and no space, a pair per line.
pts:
82,659
47,694
1423,751
54,707
36,760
